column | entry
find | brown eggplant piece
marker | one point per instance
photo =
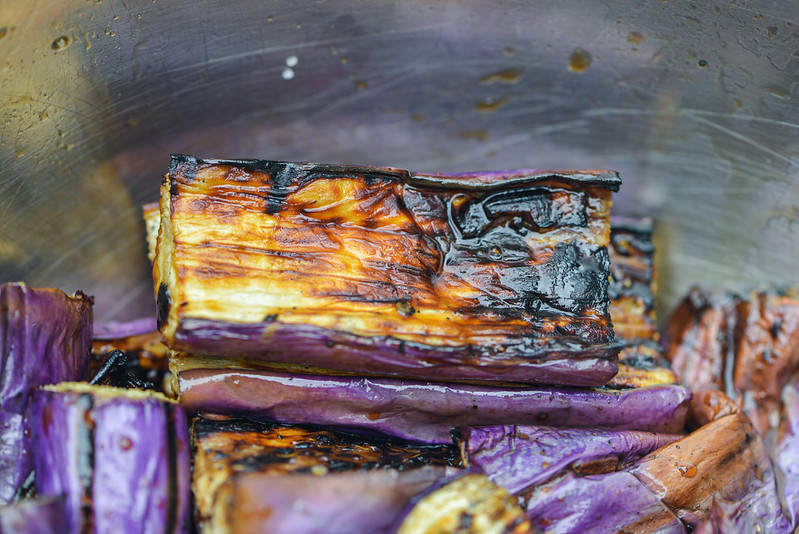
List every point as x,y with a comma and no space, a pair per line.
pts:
146,362
632,279
748,348
726,460
486,276
241,464
468,504
642,364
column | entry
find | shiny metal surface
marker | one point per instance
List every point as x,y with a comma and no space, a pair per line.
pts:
694,103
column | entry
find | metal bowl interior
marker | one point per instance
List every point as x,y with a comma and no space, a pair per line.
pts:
694,103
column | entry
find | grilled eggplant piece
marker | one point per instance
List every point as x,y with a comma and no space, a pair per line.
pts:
425,411
786,454
120,457
632,279
724,460
251,477
34,516
642,364
469,504
145,361
489,276
45,338
747,348
610,502
519,457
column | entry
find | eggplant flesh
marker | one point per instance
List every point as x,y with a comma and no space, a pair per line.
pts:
519,457
252,477
45,338
482,276
425,411
642,364
120,458
468,504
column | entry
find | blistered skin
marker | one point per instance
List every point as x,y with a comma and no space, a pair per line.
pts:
45,338
469,504
425,411
748,348
491,276
120,458
519,457
610,502
725,460
34,516
233,448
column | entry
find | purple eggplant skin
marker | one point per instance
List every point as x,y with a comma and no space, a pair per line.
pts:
425,411
122,329
610,502
45,338
786,453
355,502
45,515
120,458
518,457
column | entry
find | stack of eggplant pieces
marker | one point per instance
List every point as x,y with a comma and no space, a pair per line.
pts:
391,311
371,350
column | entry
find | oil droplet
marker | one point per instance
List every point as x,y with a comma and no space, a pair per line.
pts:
479,135
133,121
701,64
343,61
635,38
495,253
288,73
292,61
490,104
125,443
61,42
405,308
27,432
579,60
418,117
361,85
503,76
544,465
687,470
372,415
270,18
509,51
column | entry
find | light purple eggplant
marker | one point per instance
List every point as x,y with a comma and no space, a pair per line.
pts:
610,502
120,458
519,457
46,515
122,329
359,502
426,411
45,338
786,453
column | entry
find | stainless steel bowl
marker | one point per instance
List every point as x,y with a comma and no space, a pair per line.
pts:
695,103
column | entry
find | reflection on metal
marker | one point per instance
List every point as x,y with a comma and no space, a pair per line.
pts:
694,104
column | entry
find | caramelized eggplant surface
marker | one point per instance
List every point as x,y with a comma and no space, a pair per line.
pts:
482,276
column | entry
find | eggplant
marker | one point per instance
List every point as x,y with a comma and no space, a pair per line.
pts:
425,411
747,347
120,457
723,460
45,338
46,515
485,277
786,453
632,278
642,364
467,504
610,502
251,477
144,362
519,457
